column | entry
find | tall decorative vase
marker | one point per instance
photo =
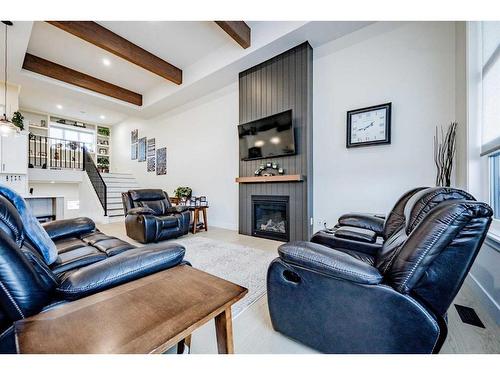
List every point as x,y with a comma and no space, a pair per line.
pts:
444,153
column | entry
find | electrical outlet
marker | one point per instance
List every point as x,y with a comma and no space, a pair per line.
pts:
321,222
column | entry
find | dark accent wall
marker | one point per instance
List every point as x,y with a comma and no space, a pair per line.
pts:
281,83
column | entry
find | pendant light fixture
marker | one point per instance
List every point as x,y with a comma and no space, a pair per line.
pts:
7,128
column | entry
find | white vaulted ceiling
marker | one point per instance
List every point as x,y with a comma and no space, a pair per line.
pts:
208,57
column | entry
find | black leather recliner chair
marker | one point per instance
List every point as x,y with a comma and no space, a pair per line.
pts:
88,261
339,301
150,217
365,232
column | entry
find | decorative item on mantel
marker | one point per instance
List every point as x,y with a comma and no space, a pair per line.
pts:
274,167
444,152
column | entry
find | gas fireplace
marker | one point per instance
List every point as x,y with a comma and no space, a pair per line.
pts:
270,217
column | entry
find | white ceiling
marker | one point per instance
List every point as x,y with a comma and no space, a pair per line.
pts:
209,58
56,45
181,43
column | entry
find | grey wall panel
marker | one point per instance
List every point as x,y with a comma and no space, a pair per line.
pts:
281,83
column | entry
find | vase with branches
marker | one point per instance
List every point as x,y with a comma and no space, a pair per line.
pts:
444,153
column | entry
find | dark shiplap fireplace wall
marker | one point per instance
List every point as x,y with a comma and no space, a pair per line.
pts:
281,83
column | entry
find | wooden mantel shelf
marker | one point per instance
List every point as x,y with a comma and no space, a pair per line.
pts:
277,178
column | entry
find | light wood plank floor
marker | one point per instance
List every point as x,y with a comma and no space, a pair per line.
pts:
253,332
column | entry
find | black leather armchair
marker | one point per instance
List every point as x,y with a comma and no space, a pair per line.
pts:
344,301
150,217
88,261
365,232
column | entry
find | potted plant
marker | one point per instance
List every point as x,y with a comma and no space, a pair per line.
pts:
103,131
102,161
17,119
183,192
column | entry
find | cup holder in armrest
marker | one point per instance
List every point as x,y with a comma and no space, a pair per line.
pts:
291,276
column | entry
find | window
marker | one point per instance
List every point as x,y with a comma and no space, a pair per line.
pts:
77,135
495,184
488,116
490,113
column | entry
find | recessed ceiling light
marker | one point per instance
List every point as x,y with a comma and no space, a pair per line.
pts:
59,106
259,143
102,117
106,62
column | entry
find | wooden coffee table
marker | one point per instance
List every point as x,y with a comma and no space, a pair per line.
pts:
149,315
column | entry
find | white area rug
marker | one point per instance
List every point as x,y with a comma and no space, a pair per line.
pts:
242,265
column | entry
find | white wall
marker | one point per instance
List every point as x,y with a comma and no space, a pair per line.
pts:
70,192
202,152
12,99
409,64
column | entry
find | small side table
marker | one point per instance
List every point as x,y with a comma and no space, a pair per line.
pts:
195,214
196,217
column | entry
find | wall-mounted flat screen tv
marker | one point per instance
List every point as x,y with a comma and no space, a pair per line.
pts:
267,137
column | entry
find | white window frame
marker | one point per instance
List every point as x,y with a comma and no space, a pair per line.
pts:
479,179
78,130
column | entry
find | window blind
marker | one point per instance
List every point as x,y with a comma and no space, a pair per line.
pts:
490,91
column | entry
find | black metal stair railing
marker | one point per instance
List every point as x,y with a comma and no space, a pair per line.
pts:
53,153
96,179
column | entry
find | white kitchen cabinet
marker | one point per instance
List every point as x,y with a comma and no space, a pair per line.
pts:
14,154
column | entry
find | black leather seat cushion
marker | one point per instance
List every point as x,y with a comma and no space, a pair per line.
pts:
69,244
94,237
113,246
119,269
93,247
76,258
356,234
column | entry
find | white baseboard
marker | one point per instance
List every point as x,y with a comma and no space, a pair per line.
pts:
224,225
486,299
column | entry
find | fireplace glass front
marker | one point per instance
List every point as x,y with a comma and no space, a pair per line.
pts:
270,217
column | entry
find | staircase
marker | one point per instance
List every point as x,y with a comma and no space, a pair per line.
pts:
116,184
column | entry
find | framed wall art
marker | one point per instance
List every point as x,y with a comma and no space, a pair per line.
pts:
161,161
134,136
151,164
133,151
142,150
151,155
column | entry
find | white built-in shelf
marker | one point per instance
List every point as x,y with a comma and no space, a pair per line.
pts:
105,146
38,127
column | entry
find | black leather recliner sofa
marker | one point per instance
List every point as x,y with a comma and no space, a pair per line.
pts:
340,300
87,261
150,217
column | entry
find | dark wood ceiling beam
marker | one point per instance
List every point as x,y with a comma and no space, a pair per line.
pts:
103,38
61,73
238,30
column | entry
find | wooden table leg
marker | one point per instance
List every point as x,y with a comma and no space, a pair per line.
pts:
195,219
183,343
205,222
224,332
